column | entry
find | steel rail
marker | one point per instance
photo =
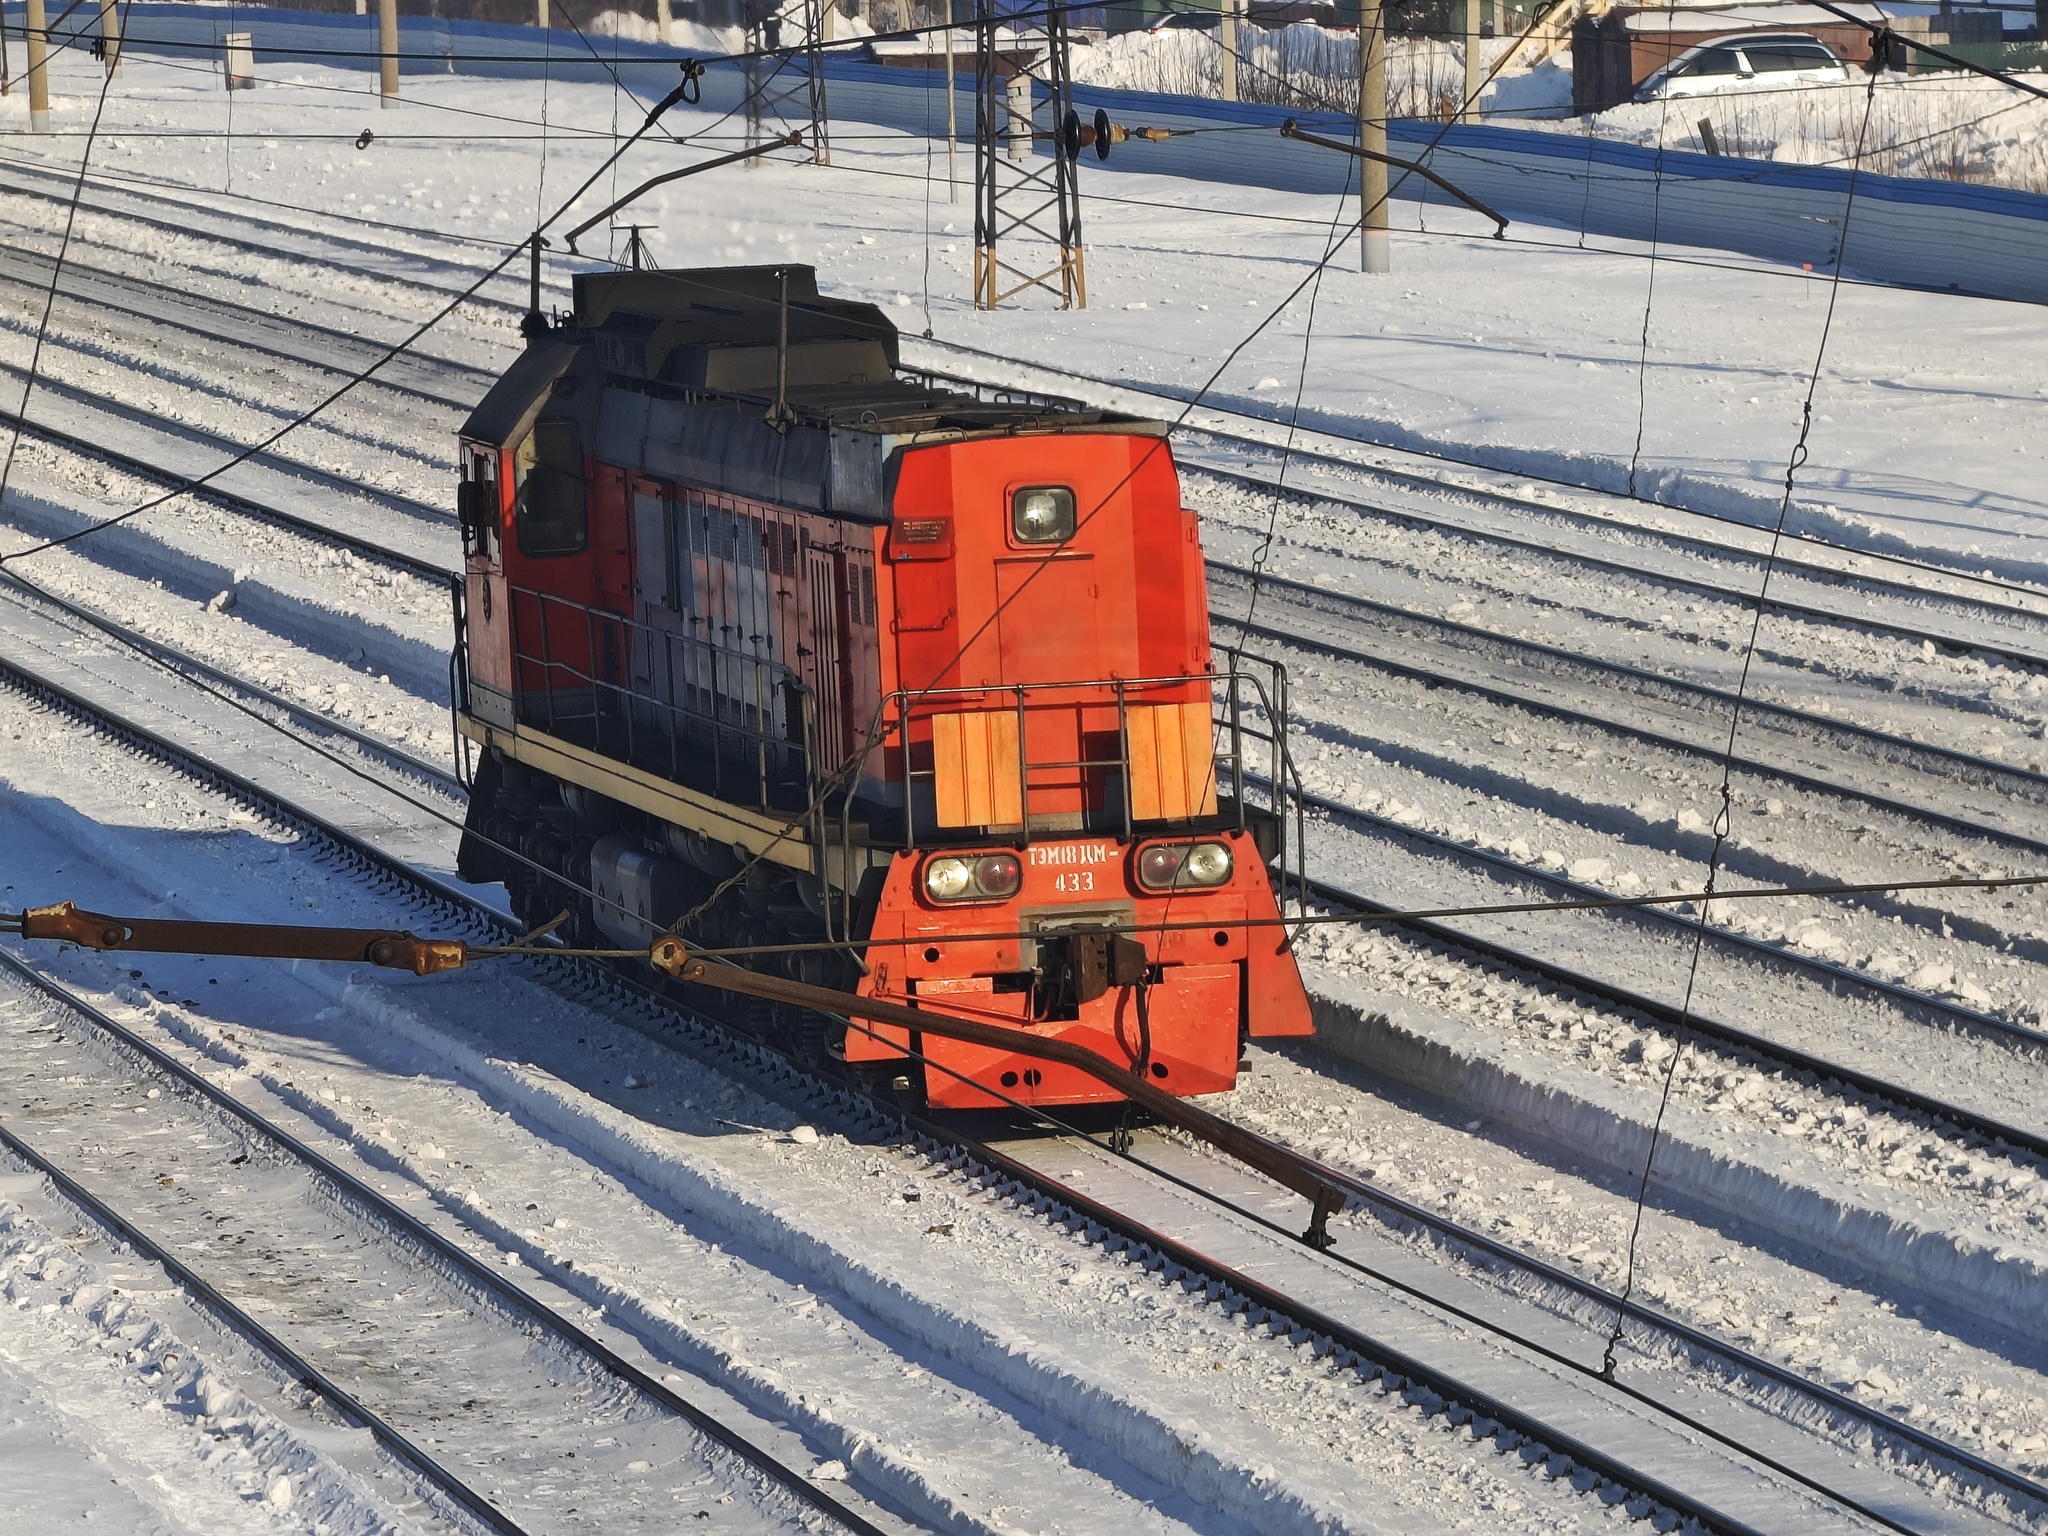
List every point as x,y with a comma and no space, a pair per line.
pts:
2033,1143
230,501
1831,575
1395,1368
403,1223
294,1365
1777,602
1879,1423
390,501
1955,1015
1985,768
185,661
227,311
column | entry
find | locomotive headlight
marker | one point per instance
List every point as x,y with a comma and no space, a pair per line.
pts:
1183,866
989,877
1042,514
948,879
1206,864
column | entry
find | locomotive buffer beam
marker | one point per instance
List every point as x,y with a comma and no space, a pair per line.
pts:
1293,130
670,955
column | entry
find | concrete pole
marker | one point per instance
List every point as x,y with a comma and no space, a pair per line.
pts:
540,13
38,68
1474,75
1018,99
664,23
1372,136
1226,37
387,48
110,36
952,119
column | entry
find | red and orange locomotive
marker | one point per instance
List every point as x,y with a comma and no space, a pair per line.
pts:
918,678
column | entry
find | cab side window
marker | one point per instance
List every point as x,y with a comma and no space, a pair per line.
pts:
547,471
476,505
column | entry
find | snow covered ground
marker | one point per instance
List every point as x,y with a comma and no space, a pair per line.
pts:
1952,127
1520,354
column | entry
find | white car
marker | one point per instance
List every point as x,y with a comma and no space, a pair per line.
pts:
1731,63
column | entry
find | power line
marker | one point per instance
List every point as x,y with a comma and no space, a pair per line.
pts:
1724,822
56,272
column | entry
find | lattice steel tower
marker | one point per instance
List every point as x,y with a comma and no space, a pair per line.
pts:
1027,207
785,73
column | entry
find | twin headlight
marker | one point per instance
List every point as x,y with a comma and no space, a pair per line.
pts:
988,877
1183,866
997,876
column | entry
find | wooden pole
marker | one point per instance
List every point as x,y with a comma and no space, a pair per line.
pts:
38,68
1226,36
387,48
110,36
1374,255
1474,75
952,116
664,23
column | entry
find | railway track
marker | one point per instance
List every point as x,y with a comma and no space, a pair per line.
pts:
1505,1374
1999,779
1446,479
14,589
457,1306
1685,717
1831,615
417,560
1992,606
1989,1129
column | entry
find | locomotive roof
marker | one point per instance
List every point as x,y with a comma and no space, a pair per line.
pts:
686,360
654,321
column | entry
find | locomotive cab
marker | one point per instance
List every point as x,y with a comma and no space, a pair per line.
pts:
766,642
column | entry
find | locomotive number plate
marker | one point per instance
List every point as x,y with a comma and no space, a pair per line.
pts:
1075,862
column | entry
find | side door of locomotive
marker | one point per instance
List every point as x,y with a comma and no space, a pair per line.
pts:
487,609
824,641
611,560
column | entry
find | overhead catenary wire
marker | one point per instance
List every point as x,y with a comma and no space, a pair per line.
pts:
1190,404
1723,822
50,291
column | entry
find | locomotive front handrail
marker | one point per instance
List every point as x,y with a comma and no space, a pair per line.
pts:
906,708
704,704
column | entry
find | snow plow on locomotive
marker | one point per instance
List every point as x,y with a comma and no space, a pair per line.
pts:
896,689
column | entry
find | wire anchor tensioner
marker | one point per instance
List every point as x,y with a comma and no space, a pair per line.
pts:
262,941
66,923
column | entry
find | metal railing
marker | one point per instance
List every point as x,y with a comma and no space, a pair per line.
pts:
746,727
1248,710
692,710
